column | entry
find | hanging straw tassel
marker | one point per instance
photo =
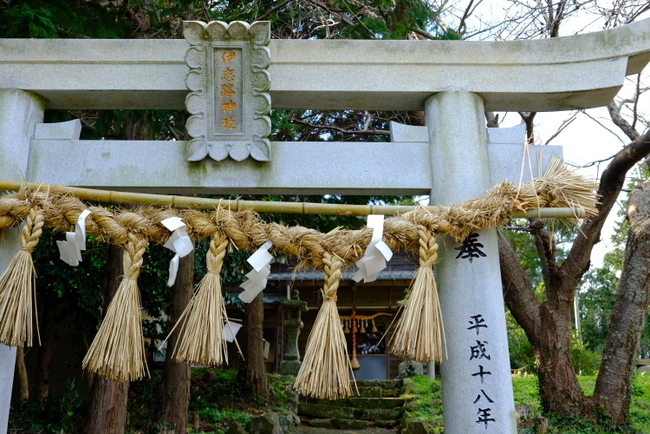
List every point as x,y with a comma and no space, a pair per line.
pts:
200,340
18,287
419,333
324,371
117,352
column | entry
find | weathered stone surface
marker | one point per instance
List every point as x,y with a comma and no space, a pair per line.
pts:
378,413
409,386
20,112
236,428
386,423
469,287
118,164
320,423
384,384
384,402
411,425
409,368
326,411
643,370
268,423
349,424
228,84
369,391
554,74
342,402
69,130
388,393
288,419
293,399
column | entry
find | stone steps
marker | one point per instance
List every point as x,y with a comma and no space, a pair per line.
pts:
377,405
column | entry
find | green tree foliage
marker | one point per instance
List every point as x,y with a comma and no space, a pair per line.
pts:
596,300
61,19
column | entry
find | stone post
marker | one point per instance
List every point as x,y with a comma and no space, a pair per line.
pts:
293,308
476,383
20,111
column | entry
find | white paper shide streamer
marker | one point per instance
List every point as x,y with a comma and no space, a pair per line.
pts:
230,329
261,263
376,254
179,242
70,248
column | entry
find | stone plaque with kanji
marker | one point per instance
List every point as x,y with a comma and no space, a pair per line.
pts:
228,83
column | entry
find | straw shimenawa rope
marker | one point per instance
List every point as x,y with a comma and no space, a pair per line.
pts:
560,188
18,286
419,333
324,370
200,340
117,352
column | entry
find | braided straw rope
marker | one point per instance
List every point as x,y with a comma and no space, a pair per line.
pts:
200,340
117,352
419,333
324,370
559,188
133,228
18,286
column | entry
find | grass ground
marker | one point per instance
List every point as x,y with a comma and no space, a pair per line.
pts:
526,393
218,399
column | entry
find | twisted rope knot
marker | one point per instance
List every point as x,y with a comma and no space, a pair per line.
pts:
216,253
332,267
33,229
135,249
428,247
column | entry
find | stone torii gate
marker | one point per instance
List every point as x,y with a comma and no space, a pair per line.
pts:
453,158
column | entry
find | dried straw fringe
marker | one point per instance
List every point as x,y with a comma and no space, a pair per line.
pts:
200,339
419,333
117,352
18,287
564,187
324,371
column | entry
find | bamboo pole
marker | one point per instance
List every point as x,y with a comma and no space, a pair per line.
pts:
259,206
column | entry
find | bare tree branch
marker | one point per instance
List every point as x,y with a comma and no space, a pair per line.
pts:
270,11
528,118
611,184
342,130
565,124
621,122
469,10
545,249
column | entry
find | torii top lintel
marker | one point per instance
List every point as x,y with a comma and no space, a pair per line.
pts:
535,75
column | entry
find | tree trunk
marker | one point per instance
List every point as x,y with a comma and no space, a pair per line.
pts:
548,328
614,384
175,390
558,384
548,324
254,371
48,325
21,372
107,400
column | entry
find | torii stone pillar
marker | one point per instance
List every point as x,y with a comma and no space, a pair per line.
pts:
20,111
476,385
